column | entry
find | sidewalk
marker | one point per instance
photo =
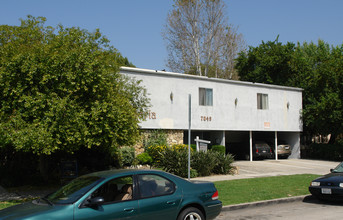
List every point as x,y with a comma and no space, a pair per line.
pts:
265,168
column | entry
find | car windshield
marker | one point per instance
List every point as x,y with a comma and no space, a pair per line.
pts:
339,168
71,192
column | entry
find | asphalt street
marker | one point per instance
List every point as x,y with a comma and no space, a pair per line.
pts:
303,207
308,208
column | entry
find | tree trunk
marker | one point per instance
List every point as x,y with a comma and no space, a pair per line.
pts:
44,167
332,139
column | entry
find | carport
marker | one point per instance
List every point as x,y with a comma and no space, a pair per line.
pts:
237,140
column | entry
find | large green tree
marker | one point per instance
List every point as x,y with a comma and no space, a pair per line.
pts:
267,63
317,68
60,90
319,72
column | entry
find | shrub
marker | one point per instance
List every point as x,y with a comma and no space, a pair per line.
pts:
224,163
155,153
203,162
127,155
218,148
178,147
156,138
144,158
193,173
17,167
333,152
174,159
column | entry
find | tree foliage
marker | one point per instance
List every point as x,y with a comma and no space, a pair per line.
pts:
317,68
267,63
199,39
319,73
60,90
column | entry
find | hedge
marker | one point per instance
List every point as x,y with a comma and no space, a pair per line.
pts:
332,152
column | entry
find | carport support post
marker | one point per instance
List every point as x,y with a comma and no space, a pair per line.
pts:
275,150
250,134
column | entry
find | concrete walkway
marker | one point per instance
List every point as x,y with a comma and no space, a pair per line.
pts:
265,168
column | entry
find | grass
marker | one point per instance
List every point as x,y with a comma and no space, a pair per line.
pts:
264,188
6,204
251,190
9,203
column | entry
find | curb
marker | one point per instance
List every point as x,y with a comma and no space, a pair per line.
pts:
265,203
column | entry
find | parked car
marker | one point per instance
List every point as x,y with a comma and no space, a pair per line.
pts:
260,150
330,186
124,194
283,148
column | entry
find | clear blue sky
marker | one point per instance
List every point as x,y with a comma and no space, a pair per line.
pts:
134,26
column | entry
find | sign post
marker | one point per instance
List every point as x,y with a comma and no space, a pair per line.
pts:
201,144
189,135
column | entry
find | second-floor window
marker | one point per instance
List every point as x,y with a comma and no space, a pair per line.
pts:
205,96
262,101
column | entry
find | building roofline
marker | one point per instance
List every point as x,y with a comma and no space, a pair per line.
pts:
188,76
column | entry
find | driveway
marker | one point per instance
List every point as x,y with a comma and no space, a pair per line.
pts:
264,168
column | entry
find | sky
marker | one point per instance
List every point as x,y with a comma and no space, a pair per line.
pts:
134,27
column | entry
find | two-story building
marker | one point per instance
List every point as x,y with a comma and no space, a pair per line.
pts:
222,111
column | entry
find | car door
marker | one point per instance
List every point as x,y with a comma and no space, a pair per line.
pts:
118,202
159,197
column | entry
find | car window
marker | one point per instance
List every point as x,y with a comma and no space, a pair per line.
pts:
339,168
74,190
119,189
151,185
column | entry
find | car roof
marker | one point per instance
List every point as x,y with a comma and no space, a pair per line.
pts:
114,172
109,173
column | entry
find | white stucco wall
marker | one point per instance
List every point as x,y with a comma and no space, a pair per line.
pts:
224,114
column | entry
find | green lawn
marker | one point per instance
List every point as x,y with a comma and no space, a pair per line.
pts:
264,188
251,190
8,204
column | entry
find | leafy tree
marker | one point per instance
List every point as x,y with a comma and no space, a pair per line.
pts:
60,90
267,63
319,73
199,39
315,68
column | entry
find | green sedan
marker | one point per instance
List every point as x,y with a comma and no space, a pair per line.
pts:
124,194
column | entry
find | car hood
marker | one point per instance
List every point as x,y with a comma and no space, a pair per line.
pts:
36,211
332,177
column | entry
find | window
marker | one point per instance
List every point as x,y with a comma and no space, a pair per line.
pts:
74,190
205,97
153,185
119,189
262,101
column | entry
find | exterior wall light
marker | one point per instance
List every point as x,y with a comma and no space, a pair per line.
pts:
288,105
236,102
171,96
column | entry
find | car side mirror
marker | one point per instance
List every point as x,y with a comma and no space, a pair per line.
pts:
97,201
331,170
